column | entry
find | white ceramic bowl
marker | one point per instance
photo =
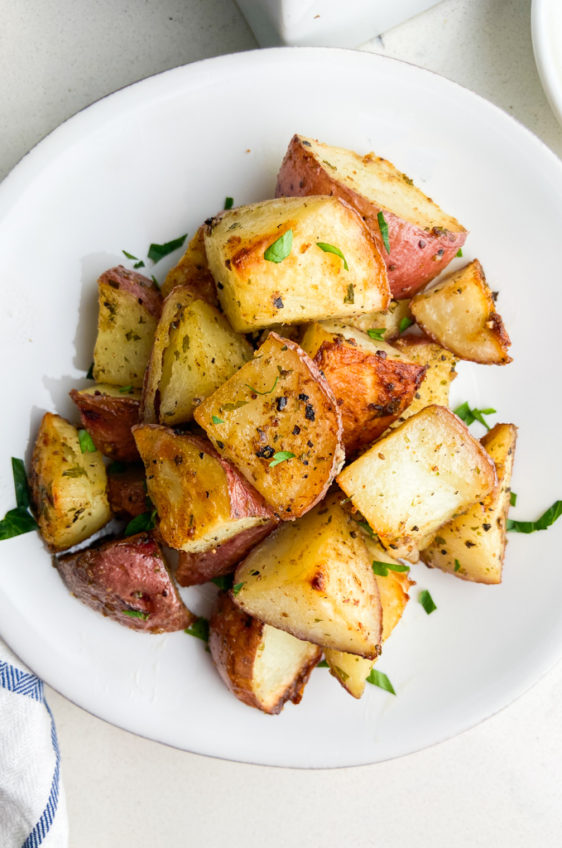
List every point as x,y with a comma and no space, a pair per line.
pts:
546,29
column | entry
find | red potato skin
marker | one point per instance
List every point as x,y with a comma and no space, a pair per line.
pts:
234,639
416,255
135,284
126,492
108,420
194,569
126,575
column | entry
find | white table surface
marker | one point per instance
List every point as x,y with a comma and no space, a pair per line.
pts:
497,784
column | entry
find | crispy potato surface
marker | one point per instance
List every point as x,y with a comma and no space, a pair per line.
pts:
421,238
262,666
193,271
459,313
108,413
195,568
326,264
440,365
417,478
277,421
68,487
472,546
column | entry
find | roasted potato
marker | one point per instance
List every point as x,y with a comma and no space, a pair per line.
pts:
472,546
193,271
373,383
68,487
294,260
439,364
418,477
202,566
459,313
420,237
126,490
195,350
263,666
128,581
387,320
277,420
108,413
313,578
200,498
129,309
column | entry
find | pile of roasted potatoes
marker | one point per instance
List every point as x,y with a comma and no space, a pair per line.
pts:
277,414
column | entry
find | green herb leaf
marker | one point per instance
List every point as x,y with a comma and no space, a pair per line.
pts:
457,565
90,374
322,664
257,391
155,281
129,255
350,294
15,522
427,601
125,390
20,483
136,614
366,528
396,566
280,456
512,499
230,407
139,264
145,521
216,420
468,415
199,629
236,588
86,443
459,252
404,324
380,568
378,334
378,678
224,582
280,249
156,252
74,472
330,248
548,518
228,202
383,227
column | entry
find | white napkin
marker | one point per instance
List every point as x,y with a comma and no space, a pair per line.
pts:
32,803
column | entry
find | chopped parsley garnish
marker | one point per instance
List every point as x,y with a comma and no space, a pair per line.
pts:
228,202
280,248
383,227
90,374
280,456
366,528
379,568
136,614
236,588
257,391
21,487
378,334
459,252
469,415
224,582
15,522
155,281
144,521
230,407
322,664
350,294
382,568
139,264
86,442
129,255
457,565
427,601
330,248
378,678
75,471
512,499
405,322
156,252
216,420
125,390
548,518
199,629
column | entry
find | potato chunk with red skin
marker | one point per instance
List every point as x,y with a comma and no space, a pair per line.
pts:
126,491
278,422
422,239
262,666
127,580
202,566
108,415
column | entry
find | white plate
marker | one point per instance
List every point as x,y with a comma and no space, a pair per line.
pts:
151,162
546,28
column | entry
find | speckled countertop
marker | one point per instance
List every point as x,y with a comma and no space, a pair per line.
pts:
497,784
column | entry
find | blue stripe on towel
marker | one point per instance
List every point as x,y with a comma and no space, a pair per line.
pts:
23,683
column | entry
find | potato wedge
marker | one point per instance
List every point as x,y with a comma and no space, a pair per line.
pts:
126,490
459,313
129,309
200,498
108,413
440,365
202,566
193,271
195,351
387,320
306,281
422,238
127,580
313,578
373,383
418,477
276,419
263,666
68,487
472,546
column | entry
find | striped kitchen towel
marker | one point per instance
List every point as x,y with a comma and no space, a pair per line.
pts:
32,805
